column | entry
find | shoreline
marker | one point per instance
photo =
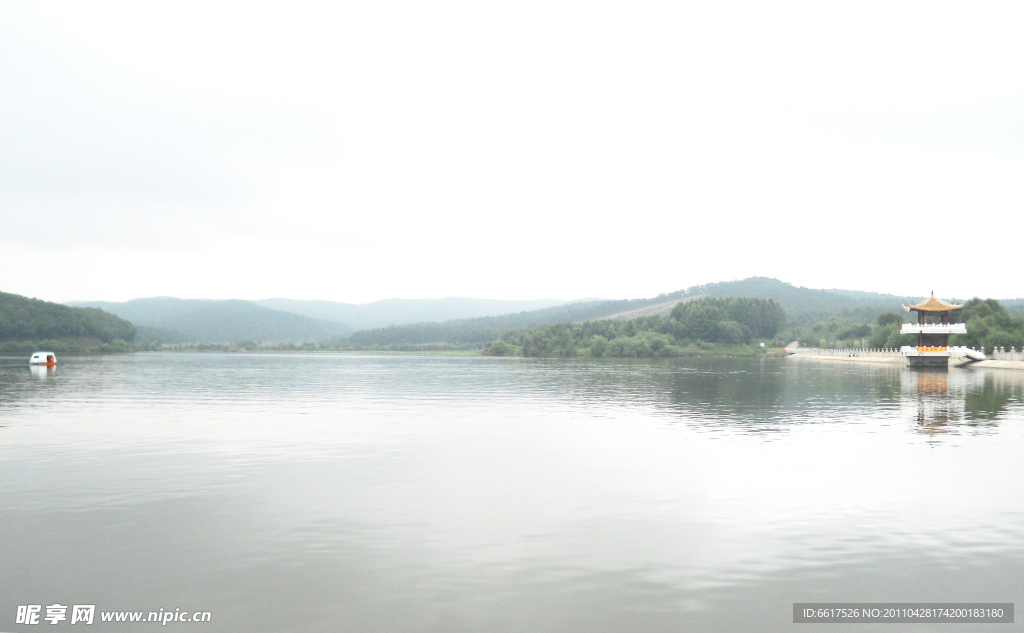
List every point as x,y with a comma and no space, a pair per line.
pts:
1016,365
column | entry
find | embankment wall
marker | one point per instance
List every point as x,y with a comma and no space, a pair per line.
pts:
999,358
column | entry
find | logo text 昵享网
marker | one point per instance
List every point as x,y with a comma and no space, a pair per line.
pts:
56,613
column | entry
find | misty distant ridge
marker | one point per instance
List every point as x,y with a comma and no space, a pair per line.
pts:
148,311
802,306
174,320
401,311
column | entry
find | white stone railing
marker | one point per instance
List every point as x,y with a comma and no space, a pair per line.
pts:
854,351
1000,353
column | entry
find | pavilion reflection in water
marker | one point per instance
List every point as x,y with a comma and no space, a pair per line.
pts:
939,400
934,402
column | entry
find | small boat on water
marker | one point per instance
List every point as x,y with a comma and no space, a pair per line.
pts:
43,358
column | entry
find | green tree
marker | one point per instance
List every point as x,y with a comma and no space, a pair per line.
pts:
729,332
889,318
497,348
989,325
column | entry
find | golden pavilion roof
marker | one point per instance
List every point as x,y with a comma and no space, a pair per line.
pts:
932,304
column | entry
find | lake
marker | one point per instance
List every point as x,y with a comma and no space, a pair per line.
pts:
345,492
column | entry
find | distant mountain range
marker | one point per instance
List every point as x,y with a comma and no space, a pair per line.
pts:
803,306
33,320
399,311
171,320
425,321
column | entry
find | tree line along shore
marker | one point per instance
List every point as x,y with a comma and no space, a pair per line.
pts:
696,324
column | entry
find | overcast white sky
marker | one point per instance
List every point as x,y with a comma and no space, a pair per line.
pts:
359,151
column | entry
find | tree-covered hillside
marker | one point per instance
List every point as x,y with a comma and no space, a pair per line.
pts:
690,327
150,310
803,307
402,311
812,316
989,325
25,319
171,320
1016,306
460,333
228,321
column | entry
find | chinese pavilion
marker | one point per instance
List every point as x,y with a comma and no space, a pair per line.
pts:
932,349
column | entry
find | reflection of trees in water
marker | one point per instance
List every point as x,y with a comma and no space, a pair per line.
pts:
729,387
830,389
769,393
940,400
993,394
775,390
849,383
766,394
723,387
19,382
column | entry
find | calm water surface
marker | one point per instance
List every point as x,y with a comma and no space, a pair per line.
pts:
433,493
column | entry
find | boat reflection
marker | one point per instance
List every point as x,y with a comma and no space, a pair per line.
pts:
42,372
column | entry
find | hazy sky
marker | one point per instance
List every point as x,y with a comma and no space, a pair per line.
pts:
358,151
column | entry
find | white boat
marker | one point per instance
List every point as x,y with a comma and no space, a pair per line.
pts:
43,358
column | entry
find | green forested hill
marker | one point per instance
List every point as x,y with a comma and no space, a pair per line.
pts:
227,321
173,320
462,332
848,314
402,311
25,319
1014,305
727,325
150,310
802,306
734,325
481,330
